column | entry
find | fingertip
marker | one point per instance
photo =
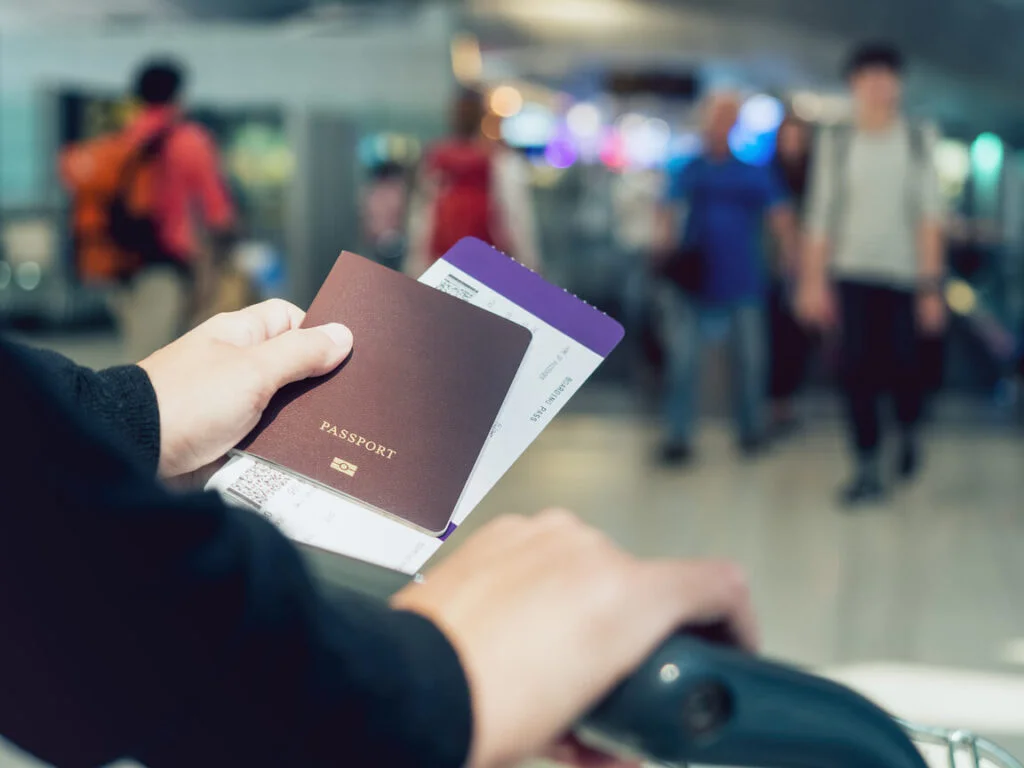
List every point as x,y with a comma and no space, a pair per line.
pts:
557,515
744,621
340,335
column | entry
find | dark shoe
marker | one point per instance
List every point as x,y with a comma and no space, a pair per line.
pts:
910,461
862,491
780,429
751,447
783,421
675,454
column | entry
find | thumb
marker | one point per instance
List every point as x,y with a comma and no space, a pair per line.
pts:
303,353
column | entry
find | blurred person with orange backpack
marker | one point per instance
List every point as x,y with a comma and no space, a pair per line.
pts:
471,187
133,195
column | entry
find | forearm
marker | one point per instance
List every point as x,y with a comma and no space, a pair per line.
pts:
931,251
180,632
814,261
286,675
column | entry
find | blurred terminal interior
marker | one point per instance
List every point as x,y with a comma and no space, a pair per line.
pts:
309,99
305,97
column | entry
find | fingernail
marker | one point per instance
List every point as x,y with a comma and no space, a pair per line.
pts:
338,333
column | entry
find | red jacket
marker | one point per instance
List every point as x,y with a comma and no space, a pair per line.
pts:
463,173
191,180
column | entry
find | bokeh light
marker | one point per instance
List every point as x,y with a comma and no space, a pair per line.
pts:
987,154
753,138
647,144
506,101
28,275
961,297
953,166
260,156
387,147
491,127
533,126
560,153
762,114
584,120
629,122
467,61
613,151
752,148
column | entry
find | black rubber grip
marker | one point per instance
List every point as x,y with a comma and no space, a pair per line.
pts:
696,702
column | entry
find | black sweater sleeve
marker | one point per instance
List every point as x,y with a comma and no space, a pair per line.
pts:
119,401
177,631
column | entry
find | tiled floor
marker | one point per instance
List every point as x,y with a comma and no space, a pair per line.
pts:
918,602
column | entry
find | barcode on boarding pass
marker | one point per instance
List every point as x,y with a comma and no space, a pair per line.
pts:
257,484
457,288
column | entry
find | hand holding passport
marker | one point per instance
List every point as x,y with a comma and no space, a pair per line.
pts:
451,378
400,425
213,383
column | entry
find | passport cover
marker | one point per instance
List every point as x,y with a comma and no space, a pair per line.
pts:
400,425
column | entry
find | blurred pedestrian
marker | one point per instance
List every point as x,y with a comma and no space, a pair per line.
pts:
874,262
636,197
134,194
715,278
384,214
469,186
790,341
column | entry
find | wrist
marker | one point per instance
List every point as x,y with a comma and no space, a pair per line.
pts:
931,285
817,280
126,400
451,724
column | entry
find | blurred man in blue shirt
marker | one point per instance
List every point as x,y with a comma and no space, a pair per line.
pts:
725,204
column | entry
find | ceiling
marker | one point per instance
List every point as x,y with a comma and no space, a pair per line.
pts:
46,11
980,38
966,54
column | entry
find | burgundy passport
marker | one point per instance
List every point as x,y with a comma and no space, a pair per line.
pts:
400,425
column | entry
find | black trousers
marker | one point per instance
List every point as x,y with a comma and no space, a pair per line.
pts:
880,355
790,346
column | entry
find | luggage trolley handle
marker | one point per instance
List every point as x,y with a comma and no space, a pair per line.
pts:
696,702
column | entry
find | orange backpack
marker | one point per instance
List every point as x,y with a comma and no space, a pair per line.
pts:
113,185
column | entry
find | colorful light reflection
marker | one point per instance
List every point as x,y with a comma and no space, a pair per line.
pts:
613,151
561,154
752,148
584,120
753,138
